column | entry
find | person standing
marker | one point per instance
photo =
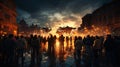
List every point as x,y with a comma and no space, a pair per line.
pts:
21,46
77,53
109,50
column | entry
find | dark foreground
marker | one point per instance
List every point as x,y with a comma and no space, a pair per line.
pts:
38,51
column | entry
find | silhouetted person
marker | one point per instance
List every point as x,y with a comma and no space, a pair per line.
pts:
109,47
70,40
50,43
44,40
116,47
61,40
67,42
54,42
75,38
1,49
97,49
61,51
77,53
21,47
10,46
52,54
88,41
35,54
4,49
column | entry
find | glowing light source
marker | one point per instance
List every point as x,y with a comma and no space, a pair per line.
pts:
15,32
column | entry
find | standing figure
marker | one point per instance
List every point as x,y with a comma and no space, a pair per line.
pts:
88,41
61,40
77,53
109,50
61,51
97,49
21,46
67,42
35,54
10,48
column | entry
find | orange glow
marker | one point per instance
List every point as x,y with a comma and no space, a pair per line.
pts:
56,25
95,30
57,44
15,32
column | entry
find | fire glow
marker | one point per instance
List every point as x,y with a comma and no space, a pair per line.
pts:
93,31
72,21
96,31
62,24
59,20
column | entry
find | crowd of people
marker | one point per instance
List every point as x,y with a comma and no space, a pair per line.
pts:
12,49
98,48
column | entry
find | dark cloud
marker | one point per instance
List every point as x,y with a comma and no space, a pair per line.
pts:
39,5
35,5
72,18
46,11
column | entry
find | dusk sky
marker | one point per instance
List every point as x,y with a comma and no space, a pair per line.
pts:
52,12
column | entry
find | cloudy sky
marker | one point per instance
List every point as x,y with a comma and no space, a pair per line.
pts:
56,12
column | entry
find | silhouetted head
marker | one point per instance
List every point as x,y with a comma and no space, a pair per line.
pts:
109,36
50,36
80,38
35,36
31,36
10,36
54,36
21,36
88,36
61,35
97,37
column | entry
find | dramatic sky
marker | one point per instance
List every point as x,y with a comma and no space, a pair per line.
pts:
52,12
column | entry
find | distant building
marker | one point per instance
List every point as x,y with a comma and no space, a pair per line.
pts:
26,30
35,29
23,28
64,30
86,21
8,15
106,16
